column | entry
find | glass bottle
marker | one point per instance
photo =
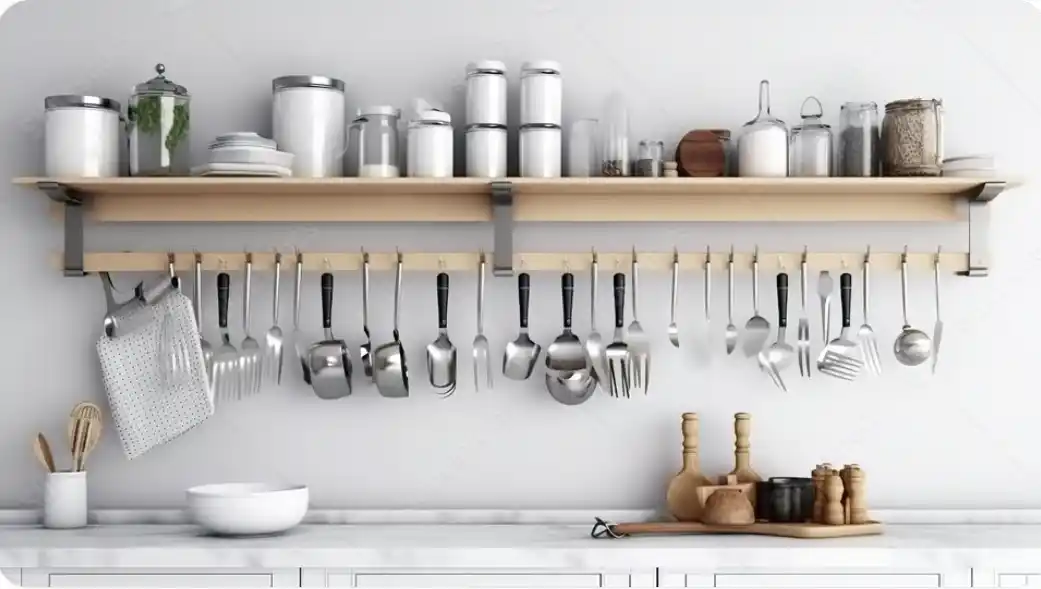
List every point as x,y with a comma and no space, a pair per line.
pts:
762,148
811,143
582,160
379,142
859,140
614,154
158,122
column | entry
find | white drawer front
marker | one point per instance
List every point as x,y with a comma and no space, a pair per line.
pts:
85,581
828,580
1019,580
462,580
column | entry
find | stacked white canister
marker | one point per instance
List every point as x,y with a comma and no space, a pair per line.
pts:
486,119
542,97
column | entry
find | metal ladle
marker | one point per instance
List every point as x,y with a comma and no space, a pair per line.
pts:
912,347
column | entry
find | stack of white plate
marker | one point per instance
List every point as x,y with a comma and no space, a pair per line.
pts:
245,154
969,166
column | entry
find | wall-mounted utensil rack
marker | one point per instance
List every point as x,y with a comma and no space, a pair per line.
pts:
598,200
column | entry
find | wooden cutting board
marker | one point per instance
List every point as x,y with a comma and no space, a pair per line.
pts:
808,530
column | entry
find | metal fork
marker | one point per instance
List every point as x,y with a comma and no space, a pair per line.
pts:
250,363
226,375
805,362
639,346
272,362
481,358
207,349
174,363
868,343
618,357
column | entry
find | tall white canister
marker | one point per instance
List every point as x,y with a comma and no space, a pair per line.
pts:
430,145
82,136
542,93
309,121
486,90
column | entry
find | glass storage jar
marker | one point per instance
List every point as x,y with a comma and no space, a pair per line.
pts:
486,93
159,122
810,146
582,160
430,145
859,140
308,119
762,148
614,150
378,140
912,138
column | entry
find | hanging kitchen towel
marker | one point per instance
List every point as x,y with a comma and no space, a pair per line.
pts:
149,408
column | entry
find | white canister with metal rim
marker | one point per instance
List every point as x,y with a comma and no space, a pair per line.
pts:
540,151
82,136
309,121
430,145
486,151
542,93
486,93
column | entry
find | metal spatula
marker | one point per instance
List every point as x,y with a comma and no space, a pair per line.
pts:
839,358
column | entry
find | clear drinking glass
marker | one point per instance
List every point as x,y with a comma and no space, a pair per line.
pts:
859,140
614,157
582,160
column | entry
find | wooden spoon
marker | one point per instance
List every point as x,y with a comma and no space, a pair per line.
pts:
43,452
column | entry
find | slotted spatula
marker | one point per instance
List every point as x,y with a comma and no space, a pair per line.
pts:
839,358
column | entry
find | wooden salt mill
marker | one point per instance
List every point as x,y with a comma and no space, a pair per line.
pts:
742,463
820,474
857,500
682,496
833,489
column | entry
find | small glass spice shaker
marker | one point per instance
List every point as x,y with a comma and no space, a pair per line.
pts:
811,143
158,124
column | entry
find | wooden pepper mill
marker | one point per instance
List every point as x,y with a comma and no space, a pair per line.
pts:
857,500
820,474
682,497
833,489
742,463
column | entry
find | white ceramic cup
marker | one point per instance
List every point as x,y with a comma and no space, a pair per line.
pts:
65,500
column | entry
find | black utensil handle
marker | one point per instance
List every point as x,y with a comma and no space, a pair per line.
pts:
567,289
327,300
442,300
619,300
223,288
523,294
782,299
846,293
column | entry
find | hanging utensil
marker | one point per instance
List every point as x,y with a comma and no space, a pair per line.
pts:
568,378
366,348
88,414
42,450
482,359
636,339
938,326
388,361
708,302
779,355
594,344
250,359
298,338
805,363
226,377
825,289
618,357
329,359
272,361
441,353
912,347
866,335
839,358
731,335
520,356
674,331
757,329
207,349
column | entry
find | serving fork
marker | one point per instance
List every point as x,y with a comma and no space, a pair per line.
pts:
481,356
250,361
868,343
226,374
805,361
636,339
272,361
619,359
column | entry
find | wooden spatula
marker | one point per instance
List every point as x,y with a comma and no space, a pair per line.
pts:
43,452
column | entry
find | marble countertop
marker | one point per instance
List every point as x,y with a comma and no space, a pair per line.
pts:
515,546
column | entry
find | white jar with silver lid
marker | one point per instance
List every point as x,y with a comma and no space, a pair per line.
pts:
486,151
309,121
542,93
82,136
430,145
540,151
486,90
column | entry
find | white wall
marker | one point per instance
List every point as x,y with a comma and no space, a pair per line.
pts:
964,438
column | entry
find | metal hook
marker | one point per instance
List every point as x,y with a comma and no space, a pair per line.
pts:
249,258
755,255
903,257
675,255
364,256
596,258
731,258
326,264
805,255
567,265
400,257
222,264
634,255
198,257
171,262
780,263
440,263
938,250
867,255
278,257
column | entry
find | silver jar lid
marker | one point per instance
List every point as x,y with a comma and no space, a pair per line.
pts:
540,66
80,101
307,82
485,127
380,110
486,66
160,85
913,104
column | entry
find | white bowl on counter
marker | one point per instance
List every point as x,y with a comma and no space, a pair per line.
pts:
247,509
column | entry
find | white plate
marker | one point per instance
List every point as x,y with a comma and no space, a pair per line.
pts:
247,509
261,170
245,138
251,155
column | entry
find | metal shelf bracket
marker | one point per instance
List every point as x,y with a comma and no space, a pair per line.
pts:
72,202
502,225
979,229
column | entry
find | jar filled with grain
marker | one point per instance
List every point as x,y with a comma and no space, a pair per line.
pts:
912,138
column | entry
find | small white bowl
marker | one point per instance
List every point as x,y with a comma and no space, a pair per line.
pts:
251,155
247,509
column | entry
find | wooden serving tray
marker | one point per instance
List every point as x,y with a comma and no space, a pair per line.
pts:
810,531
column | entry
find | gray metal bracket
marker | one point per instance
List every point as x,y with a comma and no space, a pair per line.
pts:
502,225
979,229
72,202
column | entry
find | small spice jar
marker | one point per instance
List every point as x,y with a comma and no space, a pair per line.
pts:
912,138
486,93
703,153
430,145
82,136
810,150
159,122
649,158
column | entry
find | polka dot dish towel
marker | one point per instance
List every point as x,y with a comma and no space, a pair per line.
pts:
148,407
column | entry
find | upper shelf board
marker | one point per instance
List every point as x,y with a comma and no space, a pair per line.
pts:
558,199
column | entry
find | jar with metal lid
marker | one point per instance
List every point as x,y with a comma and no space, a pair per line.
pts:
486,93
159,122
859,140
378,137
486,151
762,147
650,155
430,145
810,148
540,151
81,136
912,138
308,120
542,93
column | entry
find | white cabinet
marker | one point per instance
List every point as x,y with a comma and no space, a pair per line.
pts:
13,576
464,579
187,578
808,581
1028,580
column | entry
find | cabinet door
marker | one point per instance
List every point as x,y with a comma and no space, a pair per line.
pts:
1019,580
463,580
13,576
167,577
807,581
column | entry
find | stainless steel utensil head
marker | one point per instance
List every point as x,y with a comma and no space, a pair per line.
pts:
839,358
250,355
637,340
481,355
298,338
757,329
674,330
329,360
618,357
226,378
520,356
441,354
731,332
570,388
825,290
273,340
566,353
365,352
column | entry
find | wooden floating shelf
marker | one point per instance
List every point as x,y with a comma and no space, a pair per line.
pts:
534,200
